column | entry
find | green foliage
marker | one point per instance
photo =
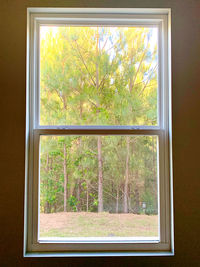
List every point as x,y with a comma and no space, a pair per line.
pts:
73,202
150,203
98,76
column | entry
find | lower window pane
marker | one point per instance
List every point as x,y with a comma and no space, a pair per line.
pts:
99,187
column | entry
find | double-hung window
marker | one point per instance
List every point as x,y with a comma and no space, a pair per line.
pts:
98,141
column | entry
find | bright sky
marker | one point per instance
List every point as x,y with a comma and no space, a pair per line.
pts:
54,29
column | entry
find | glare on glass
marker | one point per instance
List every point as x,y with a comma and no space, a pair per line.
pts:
98,186
98,75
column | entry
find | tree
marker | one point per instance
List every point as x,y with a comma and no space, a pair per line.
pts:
108,78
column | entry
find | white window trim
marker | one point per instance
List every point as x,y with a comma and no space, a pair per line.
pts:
122,247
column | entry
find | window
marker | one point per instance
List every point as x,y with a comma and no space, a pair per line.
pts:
98,168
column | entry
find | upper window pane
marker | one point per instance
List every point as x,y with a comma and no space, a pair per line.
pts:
98,75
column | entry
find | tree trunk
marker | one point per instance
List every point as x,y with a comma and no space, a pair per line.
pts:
100,172
80,167
129,199
55,207
126,175
97,63
46,185
117,200
137,195
65,177
78,195
154,162
100,177
87,198
55,190
48,207
155,182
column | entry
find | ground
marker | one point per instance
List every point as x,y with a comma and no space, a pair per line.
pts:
88,224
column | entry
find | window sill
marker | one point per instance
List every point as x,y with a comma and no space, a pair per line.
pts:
96,254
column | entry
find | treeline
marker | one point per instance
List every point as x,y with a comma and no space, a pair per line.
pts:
69,174
98,76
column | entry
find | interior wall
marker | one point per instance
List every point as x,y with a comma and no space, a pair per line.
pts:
186,127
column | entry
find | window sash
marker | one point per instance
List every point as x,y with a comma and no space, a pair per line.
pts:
104,19
111,244
134,17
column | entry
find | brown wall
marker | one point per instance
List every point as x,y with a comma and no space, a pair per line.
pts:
186,128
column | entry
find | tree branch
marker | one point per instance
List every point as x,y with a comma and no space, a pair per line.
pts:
83,61
148,80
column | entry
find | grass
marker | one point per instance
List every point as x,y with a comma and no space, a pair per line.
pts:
88,224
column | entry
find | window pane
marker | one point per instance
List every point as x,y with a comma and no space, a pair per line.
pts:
98,186
98,75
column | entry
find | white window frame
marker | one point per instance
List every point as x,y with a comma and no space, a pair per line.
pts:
123,247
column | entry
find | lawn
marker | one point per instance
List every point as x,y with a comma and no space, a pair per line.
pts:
88,224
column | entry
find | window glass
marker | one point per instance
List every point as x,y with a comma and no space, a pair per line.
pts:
98,75
98,186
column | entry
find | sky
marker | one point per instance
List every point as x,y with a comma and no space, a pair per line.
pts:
44,30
